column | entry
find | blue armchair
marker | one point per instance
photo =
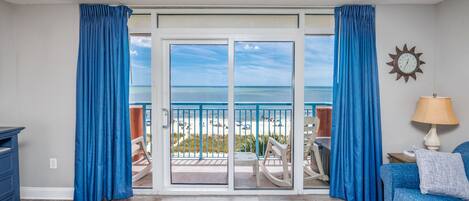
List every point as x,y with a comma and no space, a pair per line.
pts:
401,180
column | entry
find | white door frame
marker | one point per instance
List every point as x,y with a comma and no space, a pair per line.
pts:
159,101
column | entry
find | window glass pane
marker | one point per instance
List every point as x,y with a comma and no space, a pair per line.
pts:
318,78
140,64
263,114
140,109
227,21
199,113
319,67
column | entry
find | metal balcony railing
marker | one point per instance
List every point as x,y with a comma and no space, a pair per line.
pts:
200,130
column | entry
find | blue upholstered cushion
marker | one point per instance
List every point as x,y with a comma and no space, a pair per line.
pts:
412,194
399,175
405,175
462,148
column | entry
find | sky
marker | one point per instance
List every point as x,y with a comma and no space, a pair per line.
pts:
256,63
140,60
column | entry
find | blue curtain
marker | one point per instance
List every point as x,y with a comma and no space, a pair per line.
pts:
103,165
356,125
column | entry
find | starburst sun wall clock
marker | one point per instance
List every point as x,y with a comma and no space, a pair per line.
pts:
406,63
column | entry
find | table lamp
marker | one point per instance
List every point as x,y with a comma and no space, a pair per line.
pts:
434,110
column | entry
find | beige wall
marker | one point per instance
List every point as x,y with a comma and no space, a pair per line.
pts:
41,80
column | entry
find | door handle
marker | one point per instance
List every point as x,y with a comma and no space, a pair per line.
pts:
166,118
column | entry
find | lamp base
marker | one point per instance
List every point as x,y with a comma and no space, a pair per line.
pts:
432,141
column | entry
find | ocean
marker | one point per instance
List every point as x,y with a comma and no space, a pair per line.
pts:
142,94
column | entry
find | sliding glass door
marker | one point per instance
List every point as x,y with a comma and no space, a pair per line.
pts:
199,124
198,110
263,96
262,126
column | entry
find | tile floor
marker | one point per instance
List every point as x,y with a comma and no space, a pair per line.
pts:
215,172
231,198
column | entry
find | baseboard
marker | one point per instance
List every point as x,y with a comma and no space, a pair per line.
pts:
46,193
51,193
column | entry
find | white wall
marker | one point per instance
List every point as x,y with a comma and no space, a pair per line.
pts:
47,51
7,63
396,26
453,66
42,82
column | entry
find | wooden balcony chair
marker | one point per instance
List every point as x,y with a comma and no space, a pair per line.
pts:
138,148
283,151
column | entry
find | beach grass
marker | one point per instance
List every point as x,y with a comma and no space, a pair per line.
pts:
218,144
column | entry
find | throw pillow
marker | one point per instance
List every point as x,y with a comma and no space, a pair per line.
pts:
442,174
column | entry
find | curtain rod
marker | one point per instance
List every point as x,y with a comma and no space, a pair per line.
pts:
226,7
236,6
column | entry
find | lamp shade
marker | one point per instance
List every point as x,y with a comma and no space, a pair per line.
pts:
435,110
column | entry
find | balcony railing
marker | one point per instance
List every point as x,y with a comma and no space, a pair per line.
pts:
200,130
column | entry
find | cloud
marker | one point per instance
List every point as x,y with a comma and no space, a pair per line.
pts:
199,52
319,60
133,52
141,41
264,63
263,76
249,46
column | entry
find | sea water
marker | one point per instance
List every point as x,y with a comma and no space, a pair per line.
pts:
206,94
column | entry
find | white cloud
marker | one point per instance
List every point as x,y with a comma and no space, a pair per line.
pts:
249,46
140,41
200,53
133,52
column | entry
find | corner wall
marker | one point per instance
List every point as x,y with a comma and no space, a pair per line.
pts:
397,25
452,68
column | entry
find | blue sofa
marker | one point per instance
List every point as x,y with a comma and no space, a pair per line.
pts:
401,180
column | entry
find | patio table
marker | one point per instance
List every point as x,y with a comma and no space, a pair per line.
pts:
324,144
248,159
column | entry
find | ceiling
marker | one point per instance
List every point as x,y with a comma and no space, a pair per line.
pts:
229,3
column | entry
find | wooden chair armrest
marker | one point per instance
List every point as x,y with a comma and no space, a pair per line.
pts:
137,140
278,148
275,143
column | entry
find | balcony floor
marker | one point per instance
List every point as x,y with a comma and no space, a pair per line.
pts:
214,171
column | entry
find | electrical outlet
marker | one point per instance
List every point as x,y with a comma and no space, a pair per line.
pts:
53,163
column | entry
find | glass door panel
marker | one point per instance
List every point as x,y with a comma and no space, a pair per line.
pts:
263,114
318,76
199,112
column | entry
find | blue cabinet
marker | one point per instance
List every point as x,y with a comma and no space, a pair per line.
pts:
9,170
